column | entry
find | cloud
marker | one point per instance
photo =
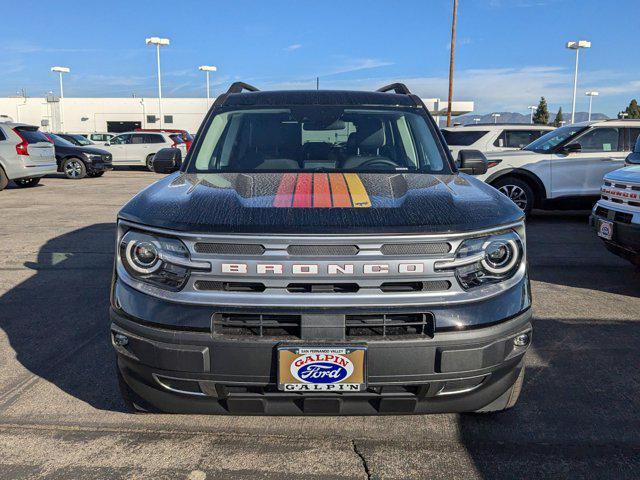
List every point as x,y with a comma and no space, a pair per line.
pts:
356,64
293,47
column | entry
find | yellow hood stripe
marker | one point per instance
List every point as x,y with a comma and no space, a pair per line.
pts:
359,195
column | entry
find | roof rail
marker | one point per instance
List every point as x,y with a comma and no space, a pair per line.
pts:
397,87
236,87
506,124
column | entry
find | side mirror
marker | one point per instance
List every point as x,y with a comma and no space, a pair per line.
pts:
166,160
107,144
472,162
571,148
633,158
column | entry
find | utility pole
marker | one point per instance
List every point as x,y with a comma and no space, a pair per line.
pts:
453,44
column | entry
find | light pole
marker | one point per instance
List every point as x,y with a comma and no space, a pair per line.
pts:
61,70
451,55
495,117
158,42
577,45
532,108
206,69
591,94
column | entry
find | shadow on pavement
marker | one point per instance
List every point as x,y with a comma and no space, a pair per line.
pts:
57,320
578,413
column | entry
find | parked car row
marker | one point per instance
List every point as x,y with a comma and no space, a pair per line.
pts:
27,154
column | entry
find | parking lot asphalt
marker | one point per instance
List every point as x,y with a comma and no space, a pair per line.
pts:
61,415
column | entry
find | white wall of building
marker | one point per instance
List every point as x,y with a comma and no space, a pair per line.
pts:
83,115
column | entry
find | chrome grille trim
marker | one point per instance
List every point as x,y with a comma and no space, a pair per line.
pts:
369,293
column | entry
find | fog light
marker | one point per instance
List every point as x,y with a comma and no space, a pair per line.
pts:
521,340
120,339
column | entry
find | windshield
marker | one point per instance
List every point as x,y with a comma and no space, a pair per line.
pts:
555,137
319,138
79,140
59,141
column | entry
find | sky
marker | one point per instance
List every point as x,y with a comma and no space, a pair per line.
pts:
509,53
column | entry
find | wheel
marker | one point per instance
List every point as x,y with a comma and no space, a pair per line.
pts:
27,182
508,399
131,399
150,163
518,191
74,168
4,181
95,174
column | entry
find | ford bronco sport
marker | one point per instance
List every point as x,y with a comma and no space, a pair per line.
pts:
320,252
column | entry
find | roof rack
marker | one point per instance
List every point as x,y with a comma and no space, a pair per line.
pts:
236,87
397,87
507,124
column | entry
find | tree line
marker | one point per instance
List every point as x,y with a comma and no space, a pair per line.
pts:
541,115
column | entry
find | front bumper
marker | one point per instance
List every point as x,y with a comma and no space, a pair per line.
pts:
182,371
626,229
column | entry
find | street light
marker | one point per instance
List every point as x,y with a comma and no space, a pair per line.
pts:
532,108
158,42
495,117
60,71
206,69
577,45
591,95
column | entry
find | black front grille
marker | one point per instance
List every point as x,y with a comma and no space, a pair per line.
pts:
323,287
621,217
602,212
259,324
212,285
428,286
391,324
322,250
415,248
229,248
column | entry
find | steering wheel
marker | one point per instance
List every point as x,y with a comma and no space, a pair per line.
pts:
379,162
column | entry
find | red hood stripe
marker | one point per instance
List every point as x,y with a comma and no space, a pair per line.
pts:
321,191
284,196
304,190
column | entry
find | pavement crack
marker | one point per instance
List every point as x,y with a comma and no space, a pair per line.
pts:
363,460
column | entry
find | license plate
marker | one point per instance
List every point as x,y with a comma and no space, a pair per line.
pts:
605,229
321,369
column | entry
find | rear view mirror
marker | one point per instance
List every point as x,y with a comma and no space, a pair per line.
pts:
167,160
472,162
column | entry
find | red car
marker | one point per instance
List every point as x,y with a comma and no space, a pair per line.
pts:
186,136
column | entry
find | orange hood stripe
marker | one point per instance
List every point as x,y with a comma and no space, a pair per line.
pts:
339,191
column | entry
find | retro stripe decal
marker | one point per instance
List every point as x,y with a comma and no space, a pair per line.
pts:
321,190
304,191
359,194
284,197
339,191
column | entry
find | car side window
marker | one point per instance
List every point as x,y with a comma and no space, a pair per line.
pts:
153,138
137,139
516,138
2,135
634,136
600,139
120,139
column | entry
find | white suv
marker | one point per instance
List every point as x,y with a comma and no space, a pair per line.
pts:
138,148
492,137
563,168
26,155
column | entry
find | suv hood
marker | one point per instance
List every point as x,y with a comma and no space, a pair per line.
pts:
626,174
261,203
78,149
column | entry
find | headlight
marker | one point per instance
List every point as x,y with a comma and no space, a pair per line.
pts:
161,261
486,260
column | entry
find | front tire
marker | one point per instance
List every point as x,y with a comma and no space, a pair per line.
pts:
518,191
132,401
27,182
149,163
74,168
4,180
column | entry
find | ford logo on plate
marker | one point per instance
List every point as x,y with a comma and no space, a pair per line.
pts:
321,368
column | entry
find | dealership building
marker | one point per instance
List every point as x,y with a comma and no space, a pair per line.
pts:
84,115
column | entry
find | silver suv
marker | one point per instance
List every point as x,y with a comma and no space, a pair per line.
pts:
26,155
